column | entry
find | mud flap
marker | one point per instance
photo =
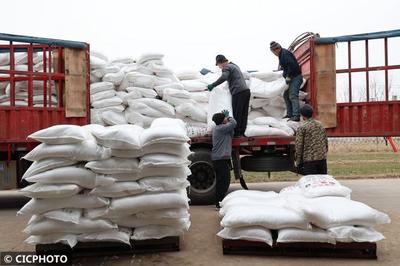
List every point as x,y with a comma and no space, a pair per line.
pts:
237,169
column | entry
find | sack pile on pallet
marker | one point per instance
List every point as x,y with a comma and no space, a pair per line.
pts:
316,209
21,87
117,183
128,91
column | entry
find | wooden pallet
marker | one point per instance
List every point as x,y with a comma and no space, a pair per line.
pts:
88,249
364,250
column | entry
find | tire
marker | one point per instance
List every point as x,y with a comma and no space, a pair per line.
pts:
202,180
267,163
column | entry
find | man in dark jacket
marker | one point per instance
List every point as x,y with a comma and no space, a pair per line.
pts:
239,90
293,77
221,152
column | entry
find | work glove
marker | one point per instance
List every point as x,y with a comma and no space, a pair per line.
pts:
225,112
210,87
287,80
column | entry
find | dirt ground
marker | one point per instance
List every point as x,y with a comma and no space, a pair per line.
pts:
201,246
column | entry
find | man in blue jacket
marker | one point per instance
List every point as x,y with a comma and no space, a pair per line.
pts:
221,152
293,77
239,90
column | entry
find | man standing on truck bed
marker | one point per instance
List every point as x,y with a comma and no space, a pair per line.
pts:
293,77
239,90
311,145
221,152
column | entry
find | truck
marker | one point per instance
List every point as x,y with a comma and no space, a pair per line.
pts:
316,55
54,86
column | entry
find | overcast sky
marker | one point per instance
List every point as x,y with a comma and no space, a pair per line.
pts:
190,33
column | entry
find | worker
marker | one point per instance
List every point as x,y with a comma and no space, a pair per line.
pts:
293,77
239,90
221,152
311,144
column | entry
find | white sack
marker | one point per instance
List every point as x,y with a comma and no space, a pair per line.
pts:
61,134
327,212
288,235
114,165
147,202
38,206
50,191
47,164
83,151
120,137
118,189
271,89
71,174
155,232
250,233
355,234
220,99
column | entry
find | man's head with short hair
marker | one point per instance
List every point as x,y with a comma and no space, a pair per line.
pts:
306,111
218,118
221,61
275,48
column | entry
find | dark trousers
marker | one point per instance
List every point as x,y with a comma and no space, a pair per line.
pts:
223,178
291,97
314,168
240,106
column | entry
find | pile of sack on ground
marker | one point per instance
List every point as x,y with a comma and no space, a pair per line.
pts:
128,91
116,183
316,209
21,87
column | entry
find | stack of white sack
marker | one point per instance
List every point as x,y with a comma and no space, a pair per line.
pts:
21,87
150,167
316,209
267,105
118,88
61,189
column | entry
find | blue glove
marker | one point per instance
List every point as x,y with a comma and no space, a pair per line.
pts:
210,87
225,112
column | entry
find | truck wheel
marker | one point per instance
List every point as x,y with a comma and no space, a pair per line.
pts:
202,180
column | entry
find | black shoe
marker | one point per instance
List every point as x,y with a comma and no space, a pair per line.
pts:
286,116
295,118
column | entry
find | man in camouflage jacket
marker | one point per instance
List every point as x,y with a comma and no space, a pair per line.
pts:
311,145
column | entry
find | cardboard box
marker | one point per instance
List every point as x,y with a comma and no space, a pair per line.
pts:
8,175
